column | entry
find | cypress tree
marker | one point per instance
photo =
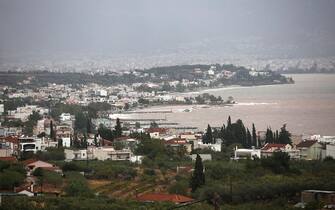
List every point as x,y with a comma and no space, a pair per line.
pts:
198,176
84,142
95,140
229,121
240,133
208,137
254,136
118,128
277,136
89,126
52,132
249,139
284,136
269,136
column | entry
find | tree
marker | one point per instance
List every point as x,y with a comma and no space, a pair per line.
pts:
10,179
240,133
96,143
105,133
89,126
249,139
254,136
269,136
229,121
198,176
153,125
77,186
52,131
137,125
284,136
208,137
118,128
278,163
84,142
81,121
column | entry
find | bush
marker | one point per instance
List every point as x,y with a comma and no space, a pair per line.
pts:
77,185
51,154
180,187
10,179
71,167
150,172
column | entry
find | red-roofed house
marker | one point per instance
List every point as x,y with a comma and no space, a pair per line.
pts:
8,159
268,149
310,150
175,143
156,197
157,133
10,144
32,164
33,190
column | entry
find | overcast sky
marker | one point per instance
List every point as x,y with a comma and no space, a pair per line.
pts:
145,25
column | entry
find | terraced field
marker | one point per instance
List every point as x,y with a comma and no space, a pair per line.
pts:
128,189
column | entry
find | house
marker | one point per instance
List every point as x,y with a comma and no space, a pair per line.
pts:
9,159
176,143
323,196
64,132
157,197
156,133
75,154
109,153
127,141
189,136
31,190
99,153
32,164
10,143
268,149
330,150
310,150
215,147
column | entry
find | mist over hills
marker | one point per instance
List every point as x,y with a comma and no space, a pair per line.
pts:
174,31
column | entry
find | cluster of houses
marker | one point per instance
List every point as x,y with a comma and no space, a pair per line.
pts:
312,148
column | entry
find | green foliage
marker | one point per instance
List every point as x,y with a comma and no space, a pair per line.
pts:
38,172
198,176
10,179
94,108
151,148
284,136
279,162
208,137
53,178
180,187
118,128
11,175
75,203
77,185
32,121
105,133
71,166
150,172
81,121
51,154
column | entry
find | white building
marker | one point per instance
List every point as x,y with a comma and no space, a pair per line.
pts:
99,153
2,109
79,154
246,153
330,150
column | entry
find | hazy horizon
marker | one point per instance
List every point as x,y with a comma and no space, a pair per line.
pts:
299,28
